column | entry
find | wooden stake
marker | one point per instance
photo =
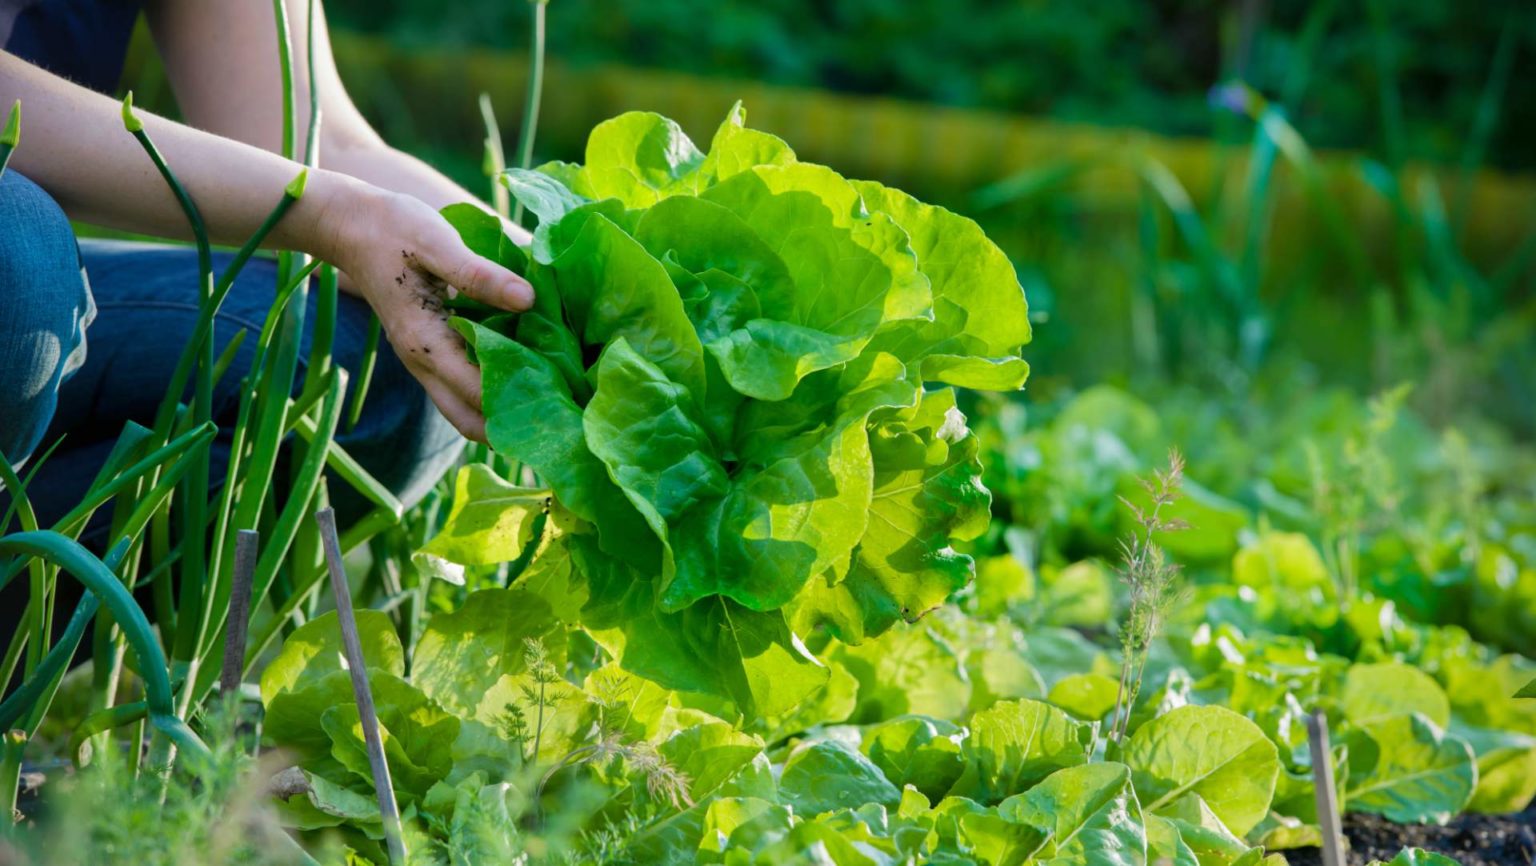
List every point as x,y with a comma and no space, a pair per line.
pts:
1322,782
389,810
247,545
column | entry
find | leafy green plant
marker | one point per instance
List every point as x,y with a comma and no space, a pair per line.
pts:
722,383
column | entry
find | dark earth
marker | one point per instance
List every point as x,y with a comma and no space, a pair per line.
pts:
1473,840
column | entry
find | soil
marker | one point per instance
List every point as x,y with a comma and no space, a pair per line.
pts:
1472,840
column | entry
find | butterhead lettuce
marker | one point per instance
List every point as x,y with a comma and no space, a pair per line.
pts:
735,384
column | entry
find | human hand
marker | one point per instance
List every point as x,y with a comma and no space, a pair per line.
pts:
402,257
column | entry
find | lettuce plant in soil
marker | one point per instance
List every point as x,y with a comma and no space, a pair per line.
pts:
734,383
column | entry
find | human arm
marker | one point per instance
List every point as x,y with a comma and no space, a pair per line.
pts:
396,249
221,58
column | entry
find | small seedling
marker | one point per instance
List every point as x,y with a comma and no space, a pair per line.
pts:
1153,582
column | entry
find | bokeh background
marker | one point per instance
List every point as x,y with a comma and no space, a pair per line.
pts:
1230,195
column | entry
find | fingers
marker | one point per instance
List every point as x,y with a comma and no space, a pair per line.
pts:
476,277
434,354
468,421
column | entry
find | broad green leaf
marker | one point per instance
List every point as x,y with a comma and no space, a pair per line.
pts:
642,426
826,775
1089,696
1289,576
709,754
1528,690
778,526
612,288
1281,561
978,304
543,195
701,236
1208,838
328,804
314,651
927,497
870,386
1060,652
767,353
1506,768
1378,692
293,717
853,271
485,235
1207,752
1086,814
418,743
1015,744
1082,595
907,670
531,417
551,240
917,751
736,148
1407,769
638,157
1165,845
462,654
491,519
979,374
999,672
765,359
726,815
1001,582
715,646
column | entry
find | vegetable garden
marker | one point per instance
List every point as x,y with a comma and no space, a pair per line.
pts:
768,561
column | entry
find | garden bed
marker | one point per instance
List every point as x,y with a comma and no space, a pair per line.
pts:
1475,840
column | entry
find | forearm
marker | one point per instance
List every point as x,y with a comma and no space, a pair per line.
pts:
75,147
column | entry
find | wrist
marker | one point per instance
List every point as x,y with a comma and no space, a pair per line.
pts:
330,218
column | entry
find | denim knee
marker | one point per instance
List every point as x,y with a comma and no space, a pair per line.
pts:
45,307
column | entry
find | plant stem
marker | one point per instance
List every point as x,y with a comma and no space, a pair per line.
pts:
10,136
361,690
495,157
530,128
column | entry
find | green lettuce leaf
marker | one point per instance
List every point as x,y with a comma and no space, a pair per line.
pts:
314,651
917,751
1085,815
827,774
492,520
1207,752
1377,692
1407,769
927,497
1016,744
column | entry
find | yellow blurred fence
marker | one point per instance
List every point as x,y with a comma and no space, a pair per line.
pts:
943,152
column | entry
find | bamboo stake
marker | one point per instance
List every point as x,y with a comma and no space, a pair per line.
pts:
389,810
247,543
1322,782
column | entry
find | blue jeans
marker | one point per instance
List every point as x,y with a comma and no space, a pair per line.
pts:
90,333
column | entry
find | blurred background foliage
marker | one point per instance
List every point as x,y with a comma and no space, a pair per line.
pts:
1146,63
1360,212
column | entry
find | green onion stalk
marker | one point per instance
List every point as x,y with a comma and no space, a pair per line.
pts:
10,136
530,128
